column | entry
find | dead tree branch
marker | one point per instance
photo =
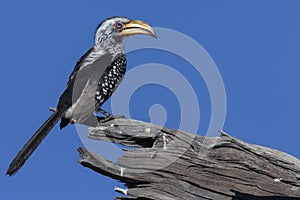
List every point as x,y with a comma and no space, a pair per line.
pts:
172,164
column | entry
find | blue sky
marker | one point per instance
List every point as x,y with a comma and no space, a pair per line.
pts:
255,45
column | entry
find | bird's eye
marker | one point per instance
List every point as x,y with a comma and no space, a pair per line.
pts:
118,25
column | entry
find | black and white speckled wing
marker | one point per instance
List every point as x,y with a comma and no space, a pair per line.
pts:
99,82
111,79
78,99
65,100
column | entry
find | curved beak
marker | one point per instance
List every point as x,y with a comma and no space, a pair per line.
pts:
135,27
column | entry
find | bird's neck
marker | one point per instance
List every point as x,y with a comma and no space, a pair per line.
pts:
110,45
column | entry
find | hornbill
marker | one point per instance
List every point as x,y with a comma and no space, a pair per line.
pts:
95,77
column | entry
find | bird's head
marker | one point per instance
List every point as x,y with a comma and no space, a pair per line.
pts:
116,28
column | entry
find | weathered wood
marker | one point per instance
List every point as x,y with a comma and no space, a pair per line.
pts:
172,164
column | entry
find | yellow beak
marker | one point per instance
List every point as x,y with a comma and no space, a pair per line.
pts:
137,27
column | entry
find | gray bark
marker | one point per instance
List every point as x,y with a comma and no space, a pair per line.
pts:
162,163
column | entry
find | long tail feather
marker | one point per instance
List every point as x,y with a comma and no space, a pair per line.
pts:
33,143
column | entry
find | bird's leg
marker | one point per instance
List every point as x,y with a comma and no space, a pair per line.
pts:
108,116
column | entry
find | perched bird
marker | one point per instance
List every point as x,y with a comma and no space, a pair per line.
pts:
95,77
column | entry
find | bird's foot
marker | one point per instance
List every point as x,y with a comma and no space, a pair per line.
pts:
102,120
107,117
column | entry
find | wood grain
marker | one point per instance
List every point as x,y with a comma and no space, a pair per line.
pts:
161,163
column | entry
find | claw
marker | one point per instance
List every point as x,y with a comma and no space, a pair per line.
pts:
107,119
